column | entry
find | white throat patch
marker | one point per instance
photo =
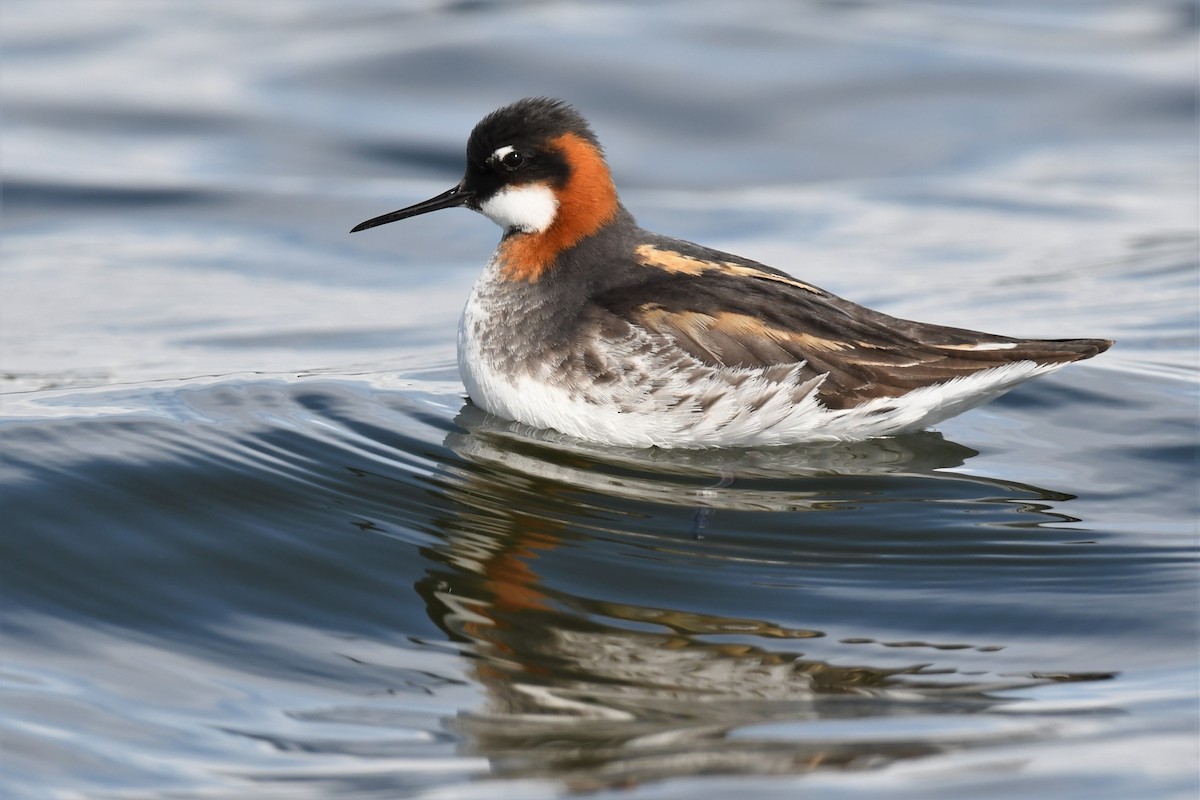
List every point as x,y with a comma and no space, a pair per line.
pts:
530,208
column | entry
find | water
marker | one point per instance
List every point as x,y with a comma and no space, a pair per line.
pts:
255,543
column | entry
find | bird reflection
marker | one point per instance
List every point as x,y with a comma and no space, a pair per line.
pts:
601,693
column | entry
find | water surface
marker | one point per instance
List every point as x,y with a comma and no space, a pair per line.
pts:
257,543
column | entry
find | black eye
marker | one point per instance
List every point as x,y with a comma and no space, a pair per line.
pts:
512,160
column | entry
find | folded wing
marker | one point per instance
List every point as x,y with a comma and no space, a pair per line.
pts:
730,312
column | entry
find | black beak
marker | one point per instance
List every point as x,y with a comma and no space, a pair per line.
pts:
455,197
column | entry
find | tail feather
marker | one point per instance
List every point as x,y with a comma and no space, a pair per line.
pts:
1042,351
855,379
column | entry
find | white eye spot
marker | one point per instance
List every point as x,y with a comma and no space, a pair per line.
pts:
501,152
506,156
530,208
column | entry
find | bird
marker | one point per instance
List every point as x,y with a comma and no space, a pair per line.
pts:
585,323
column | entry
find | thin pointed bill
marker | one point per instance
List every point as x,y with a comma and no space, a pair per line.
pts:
455,197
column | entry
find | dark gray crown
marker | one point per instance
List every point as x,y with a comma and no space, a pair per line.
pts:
524,124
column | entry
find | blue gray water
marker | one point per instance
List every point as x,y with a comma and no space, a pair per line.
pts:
256,544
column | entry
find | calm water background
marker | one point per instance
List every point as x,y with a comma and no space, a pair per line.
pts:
255,544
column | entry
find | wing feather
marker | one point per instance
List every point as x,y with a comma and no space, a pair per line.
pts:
730,312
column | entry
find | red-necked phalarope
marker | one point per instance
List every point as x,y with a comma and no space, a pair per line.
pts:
586,323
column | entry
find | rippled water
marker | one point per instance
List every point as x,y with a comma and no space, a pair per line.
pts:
256,544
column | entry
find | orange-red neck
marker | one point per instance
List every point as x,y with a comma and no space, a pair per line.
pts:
586,203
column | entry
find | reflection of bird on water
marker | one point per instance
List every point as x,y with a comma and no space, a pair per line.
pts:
606,692
568,460
595,703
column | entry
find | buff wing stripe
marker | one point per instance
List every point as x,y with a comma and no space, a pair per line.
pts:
673,261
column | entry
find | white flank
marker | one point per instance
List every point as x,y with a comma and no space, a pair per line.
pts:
530,208
741,419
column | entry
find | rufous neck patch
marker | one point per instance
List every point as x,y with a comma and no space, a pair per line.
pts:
586,202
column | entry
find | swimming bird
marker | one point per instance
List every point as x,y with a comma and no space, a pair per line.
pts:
588,324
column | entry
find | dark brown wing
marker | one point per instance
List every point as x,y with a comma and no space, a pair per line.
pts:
740,314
